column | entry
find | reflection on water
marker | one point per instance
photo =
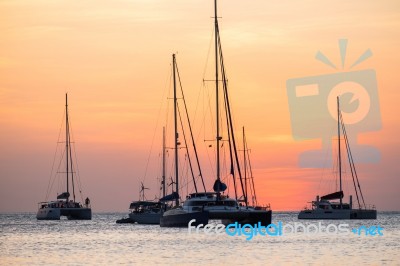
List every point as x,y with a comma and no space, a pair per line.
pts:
24,240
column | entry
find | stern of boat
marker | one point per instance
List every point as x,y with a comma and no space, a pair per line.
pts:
48,214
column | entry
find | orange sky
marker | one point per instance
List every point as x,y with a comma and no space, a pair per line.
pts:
113,58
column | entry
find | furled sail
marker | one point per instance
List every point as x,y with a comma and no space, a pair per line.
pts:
332,196
64,195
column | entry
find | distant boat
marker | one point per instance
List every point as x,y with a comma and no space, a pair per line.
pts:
149,212
325,207
145,212
65,205
177,216
220,206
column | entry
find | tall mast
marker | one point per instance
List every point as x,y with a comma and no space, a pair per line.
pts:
175,131
340,157
163,164
217,89
245,164
67,139
70,164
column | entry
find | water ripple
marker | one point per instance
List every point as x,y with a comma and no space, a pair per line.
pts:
26,241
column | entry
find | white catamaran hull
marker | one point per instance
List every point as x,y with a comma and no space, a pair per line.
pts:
337,214
324,214
70,213
48,214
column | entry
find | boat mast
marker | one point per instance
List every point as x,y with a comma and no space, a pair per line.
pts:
245,165
231,134
163,164
67,139
249,181
71,166
175,131
217,93
340,157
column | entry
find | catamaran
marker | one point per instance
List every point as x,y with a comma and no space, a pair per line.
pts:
66,204
145,211
325,207
178,216
221,206
149,212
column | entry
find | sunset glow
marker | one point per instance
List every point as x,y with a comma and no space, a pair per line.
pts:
114,60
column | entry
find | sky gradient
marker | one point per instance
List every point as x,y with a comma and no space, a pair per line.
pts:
114,60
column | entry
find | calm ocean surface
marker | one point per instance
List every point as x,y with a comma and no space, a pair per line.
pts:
26,241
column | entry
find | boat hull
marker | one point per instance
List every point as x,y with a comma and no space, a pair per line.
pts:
125,221
264,217
145,218
70,213
77,213
363,214
48,214
337,214
182,219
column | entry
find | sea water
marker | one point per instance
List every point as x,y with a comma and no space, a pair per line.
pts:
26,241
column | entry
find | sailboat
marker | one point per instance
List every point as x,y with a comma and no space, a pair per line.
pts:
249,180
65,204
178,216
325,207
144,211
221,207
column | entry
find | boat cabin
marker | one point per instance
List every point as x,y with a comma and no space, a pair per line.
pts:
59,204
208,200
144,206
327,205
